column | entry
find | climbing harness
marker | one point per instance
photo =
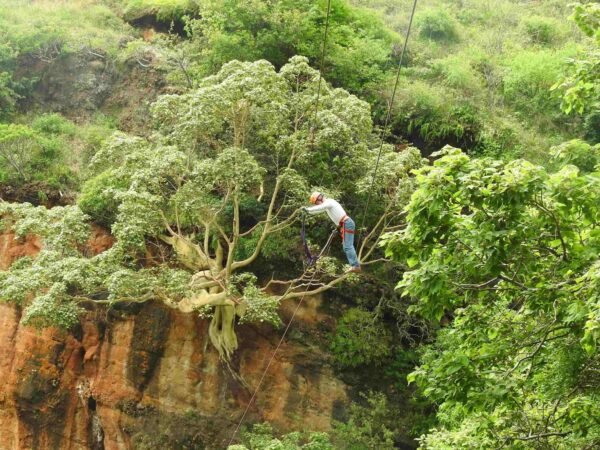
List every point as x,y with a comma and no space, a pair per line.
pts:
343,229
387,117
310,259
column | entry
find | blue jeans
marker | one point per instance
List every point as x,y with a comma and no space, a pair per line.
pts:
348,242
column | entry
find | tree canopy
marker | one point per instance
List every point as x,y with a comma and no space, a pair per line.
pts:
508,252
225,172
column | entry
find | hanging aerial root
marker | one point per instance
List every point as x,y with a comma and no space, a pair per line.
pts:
221,332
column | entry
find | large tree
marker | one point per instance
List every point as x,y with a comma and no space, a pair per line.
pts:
194,206
507,254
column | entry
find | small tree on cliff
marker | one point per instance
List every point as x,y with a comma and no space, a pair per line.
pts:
225,173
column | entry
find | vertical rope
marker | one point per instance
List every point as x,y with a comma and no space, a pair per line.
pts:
323,52
387,117
368,200
272,357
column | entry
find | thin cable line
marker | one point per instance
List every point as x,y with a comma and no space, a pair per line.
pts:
323,51
372,182
272,357
387,118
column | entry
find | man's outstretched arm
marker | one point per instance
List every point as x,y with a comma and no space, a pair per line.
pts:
317,208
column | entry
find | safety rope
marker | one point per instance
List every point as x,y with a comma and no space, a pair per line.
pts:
333,233
323,48
387,118
311,141
276,348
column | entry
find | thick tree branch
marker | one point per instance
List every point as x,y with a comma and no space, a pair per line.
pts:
235,238
319,290
267,228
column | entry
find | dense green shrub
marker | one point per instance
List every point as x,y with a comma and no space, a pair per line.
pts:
591,127
528,78
53,124
456,72
580,85
427,114
161,9
541,30
11,90
360,338
507,252
437,24
371,426
499,141
8,94
19,146
579,153
45,30
358,45
261,436
27,155
97,197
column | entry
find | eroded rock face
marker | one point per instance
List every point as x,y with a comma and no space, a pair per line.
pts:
150,378
147,377
82,84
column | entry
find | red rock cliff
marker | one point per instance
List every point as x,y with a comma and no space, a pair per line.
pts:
146,377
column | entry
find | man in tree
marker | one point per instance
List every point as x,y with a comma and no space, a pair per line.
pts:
191,191
342,220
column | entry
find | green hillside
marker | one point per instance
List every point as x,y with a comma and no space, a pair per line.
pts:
194,133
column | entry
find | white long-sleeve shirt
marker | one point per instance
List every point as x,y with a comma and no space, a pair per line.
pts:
334,210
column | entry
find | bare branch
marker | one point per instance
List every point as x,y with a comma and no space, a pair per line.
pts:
541,435
319,290
512,281
565,256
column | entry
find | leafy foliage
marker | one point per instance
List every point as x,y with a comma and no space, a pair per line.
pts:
161,9
97,198
437,24
529,78
204,184
509,253
483,85
44,31
541,30
429,114
369,426
580,87
360,339
261,437
358,52
579,153
27,155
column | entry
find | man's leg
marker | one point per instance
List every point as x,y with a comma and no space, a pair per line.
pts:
349,243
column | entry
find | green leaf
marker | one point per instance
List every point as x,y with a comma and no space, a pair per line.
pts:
412,261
